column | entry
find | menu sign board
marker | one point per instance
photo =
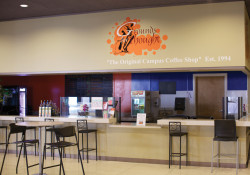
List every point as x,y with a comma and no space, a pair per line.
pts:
141,119
96,103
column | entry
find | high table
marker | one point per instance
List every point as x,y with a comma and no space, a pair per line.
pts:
40,125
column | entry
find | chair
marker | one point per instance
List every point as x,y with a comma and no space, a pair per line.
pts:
68,131
21,119
14,129
82,128
175,131
51,131
225,130
6,133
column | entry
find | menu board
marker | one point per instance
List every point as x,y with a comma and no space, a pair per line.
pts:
96,103
141,119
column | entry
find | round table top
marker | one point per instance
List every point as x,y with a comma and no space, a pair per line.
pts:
39,124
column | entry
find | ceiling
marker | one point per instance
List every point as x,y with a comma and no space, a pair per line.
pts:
11,10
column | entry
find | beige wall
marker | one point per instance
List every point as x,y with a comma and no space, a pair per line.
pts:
247,39
78,43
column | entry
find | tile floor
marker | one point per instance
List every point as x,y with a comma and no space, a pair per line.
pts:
112,168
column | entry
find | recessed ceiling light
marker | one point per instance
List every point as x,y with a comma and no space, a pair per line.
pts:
24,5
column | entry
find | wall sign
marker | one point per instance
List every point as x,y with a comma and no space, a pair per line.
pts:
130,37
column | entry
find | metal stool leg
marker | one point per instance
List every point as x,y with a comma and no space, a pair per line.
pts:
87,148
35,139
96,145
20,152
79,155
5,155
212,159
180,154
186,149
25,152
82,148
61,162
51,135
16,145
169,151
237,156
45,142
218,158
6,137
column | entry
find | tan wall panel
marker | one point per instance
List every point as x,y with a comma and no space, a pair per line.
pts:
78,43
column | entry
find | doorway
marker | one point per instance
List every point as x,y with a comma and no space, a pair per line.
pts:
209,93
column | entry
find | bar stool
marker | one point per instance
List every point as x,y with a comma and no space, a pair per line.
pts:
175,131
6,133
51,131
21,119
82,128
68,131
14,129
225,131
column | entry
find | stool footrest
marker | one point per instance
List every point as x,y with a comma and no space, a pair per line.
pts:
33,165
85,149
178,154
52,166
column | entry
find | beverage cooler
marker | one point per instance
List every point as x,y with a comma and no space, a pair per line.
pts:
14,100
140,102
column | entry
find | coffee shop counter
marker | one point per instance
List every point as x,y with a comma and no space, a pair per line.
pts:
243,122
150,143
201,133
62,119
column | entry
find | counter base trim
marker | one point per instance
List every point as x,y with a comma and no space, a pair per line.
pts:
139,160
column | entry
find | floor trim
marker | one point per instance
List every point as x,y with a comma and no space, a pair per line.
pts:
139,160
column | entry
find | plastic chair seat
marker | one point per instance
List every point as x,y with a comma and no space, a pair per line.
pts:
4,127
50,129
178,133
87,131
226,139
61,144
27,141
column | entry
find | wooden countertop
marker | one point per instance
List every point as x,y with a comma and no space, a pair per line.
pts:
243,122
61,119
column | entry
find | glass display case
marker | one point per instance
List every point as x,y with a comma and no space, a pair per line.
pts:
140,102
105,107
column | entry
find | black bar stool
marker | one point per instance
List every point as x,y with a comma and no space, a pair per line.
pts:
51,131
21,119
68,131
175,131
225,131
14,129
6,133
82,128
